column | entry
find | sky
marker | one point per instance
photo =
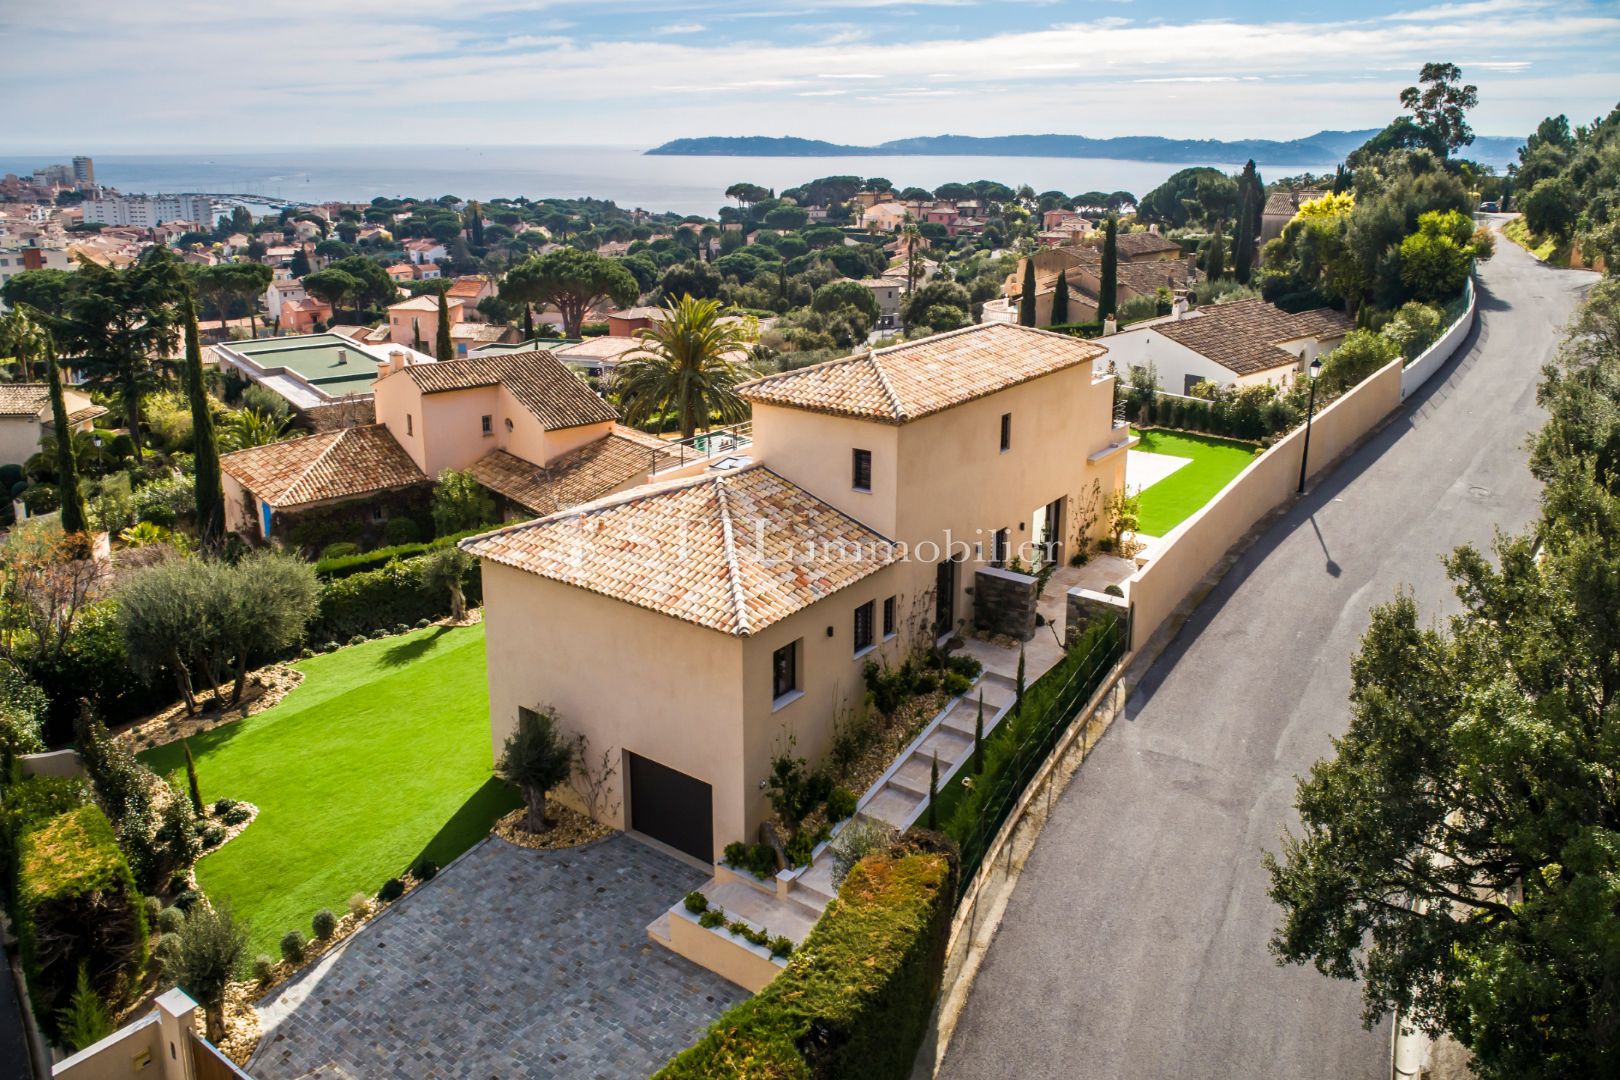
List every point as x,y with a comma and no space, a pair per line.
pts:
249,73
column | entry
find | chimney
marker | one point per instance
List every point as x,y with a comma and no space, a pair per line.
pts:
1153,230
1110,326
343,356
396,360
1178,306
382,370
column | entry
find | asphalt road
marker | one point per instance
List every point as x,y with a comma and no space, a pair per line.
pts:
1134,945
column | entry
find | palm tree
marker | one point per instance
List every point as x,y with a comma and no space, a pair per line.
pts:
689,363
250,427
22,339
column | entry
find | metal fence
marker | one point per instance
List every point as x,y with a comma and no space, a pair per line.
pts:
1060,695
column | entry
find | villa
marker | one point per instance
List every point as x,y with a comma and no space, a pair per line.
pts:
695,627
25,418
313,372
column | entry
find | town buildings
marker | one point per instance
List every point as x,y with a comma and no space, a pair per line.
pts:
147,210
1243,343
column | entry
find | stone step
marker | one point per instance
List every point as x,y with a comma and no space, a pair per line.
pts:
892,806
948,744
772,913
658,929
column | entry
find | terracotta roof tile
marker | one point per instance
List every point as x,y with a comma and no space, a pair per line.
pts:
1288,202
585,473
1245,337
735,552
555,395
915,379
23,399
332,465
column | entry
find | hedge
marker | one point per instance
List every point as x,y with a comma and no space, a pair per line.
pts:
77,904
855,998
342,566
382,599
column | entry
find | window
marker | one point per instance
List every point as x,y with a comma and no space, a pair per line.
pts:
785,671
1190,381
862,470
863,627
998,555
408,424
488,425
1006,431
888,618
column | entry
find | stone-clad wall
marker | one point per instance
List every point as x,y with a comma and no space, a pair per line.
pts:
1004,602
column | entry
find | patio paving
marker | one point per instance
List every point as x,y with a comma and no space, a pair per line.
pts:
511,963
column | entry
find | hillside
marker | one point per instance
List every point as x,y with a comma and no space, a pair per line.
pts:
1323,148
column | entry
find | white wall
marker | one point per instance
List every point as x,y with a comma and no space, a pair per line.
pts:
1435,356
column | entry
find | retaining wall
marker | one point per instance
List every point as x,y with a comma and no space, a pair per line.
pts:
1435,356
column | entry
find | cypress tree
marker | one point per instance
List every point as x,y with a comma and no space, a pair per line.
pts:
1215,255
1026,299
1243,243
191,779
74,517
978,738
206,479
1060,299
933,794
528,323
475,225
441,345
1108,292
416,333
1018,702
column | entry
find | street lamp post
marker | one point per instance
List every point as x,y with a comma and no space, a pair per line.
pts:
1315,371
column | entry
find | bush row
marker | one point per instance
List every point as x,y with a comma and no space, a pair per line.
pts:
855,997
77,905
1246,416
380,599
341,566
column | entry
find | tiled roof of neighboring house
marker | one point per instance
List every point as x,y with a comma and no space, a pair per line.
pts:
23,399
646,311
912,380
556,396
584,473
468,287
1246,336
604,347
425,302
735,552
478,332
1287,202
332,465
1132,245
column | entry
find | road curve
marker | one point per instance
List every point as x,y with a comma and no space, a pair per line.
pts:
1135,943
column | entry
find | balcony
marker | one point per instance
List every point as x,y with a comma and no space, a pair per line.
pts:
710,446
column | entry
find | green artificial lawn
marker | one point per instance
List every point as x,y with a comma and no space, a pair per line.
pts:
379,758
1180,495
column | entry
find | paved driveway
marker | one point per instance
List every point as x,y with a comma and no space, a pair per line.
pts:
511,963
1135,944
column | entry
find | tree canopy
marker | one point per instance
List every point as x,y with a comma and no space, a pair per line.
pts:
572,281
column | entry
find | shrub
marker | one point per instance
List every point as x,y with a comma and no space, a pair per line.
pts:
85,1021
223,806
738,927
402,628
236,815
757,859
841,804
339,550
206,958
397,593
77,905
391,890
153,907
331,646
964,665
780,946
855,998
401,530
712,918
305,653
359,905
378,634
358,639
264,969
170,920
423,624
956,684
292,947
696,902
212,837
425,870
324,923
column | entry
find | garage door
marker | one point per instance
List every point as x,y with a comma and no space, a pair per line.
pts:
670,806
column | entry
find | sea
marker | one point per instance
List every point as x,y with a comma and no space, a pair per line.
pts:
624,174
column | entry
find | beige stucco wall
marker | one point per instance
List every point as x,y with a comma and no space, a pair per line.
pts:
133,1051
1195,545
626,677
446,429
19,439
816,452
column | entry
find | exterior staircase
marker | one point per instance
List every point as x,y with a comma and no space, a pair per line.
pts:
789,905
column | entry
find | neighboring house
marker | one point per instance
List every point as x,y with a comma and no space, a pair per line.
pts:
884,217
426,271
1244,343
401,273
1081,268
471,290
281,290
689,628
886,291
465,337
529,429
314,372
419,316
302,316
25,418
15,260
1281,206
420,251
625,323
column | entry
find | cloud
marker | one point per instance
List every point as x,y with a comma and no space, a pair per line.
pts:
681,28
